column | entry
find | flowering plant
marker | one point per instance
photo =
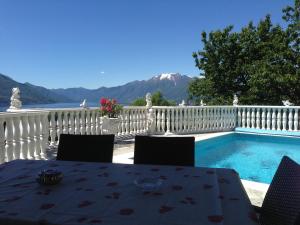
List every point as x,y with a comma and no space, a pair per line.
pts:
109,107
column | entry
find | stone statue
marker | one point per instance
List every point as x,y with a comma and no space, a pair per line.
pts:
83,104
148,100
15,102
235,100
182,103
287,103
202,103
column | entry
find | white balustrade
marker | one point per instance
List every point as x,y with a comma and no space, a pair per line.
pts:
27,134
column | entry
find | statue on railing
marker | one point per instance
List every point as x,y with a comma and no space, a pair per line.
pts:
202,103
84,104
150,114
182,103
235,100
287,103
148,100
15,102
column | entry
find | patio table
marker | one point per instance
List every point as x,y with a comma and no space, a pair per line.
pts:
105,193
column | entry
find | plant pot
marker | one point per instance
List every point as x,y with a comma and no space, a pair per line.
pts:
110,125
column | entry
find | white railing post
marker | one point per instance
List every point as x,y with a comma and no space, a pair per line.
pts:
2,141
279,119
258,119
88,122
77,122
284,120
274,119
268,119
296,122
17,136
31,141
37,136
52,129
9,139
45,134
291,119
71,123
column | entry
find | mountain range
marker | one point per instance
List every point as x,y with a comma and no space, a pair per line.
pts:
173,86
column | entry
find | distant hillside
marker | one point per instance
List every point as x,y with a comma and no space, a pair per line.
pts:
173,86
30,94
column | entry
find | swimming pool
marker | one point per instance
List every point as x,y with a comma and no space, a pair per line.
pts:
254,157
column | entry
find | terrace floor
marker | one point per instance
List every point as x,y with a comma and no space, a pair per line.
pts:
123,153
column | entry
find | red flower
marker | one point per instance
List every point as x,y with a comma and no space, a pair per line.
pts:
103,101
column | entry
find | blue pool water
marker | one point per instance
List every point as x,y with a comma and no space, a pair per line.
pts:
254,157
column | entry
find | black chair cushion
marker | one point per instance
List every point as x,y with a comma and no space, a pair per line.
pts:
86,148
282,201
178,151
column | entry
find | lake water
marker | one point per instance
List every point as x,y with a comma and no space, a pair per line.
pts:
54,105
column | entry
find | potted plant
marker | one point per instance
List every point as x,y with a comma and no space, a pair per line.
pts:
109,111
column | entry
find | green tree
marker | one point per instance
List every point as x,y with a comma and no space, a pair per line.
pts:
259,63
157,100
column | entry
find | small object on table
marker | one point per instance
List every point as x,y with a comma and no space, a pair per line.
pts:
49,177
148,183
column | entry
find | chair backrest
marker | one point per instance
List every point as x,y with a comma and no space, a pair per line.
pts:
85,148
178,151
282,201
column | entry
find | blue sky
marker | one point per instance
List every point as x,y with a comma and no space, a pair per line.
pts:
94,43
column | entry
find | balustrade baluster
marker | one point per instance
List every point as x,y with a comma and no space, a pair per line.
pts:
279,119
201,122
9,139
291,122
45,135
82,122
176,119
77,122
72,122
180,122
37,136
93,122
52,128
258,119
59,125
127,121
65,122
239,117
253,118
296,122
2,141
273,119
263,119
248,117
88,122
268,119
284,120
244,117
31,140
226,118
17,137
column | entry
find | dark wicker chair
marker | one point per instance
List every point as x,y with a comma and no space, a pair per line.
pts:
281,205
177,151
85,148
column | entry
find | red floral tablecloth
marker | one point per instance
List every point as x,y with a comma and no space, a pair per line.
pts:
103,193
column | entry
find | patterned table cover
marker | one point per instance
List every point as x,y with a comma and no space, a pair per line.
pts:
105,193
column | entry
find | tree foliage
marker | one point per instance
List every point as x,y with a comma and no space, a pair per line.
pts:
259,63
157,100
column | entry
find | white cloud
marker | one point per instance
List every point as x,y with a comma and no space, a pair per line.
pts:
102,72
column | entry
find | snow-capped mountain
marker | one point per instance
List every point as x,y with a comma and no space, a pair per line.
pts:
172,85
